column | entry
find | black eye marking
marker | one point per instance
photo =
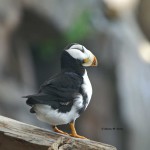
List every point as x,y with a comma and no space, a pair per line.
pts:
82,50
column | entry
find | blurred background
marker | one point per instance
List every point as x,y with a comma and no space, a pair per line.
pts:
33,34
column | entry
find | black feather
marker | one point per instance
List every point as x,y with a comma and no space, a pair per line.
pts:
60,89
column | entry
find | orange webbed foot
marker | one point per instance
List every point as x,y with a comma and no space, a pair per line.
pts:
59,131
74,133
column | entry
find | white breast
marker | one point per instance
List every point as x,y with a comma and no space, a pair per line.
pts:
87,87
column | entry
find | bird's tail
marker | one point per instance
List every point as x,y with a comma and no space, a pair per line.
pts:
31,101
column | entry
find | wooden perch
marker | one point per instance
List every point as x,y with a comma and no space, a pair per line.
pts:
15,135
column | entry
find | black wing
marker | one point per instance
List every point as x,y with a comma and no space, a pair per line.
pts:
59,90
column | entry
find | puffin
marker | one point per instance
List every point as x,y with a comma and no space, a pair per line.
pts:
63,97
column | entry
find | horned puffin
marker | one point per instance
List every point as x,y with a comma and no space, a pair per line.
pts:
63,97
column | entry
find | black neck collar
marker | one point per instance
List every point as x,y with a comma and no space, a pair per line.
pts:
70,64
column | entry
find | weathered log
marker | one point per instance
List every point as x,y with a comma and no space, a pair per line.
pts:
15,135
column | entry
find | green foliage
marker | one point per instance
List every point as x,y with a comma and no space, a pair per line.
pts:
79,29
47,48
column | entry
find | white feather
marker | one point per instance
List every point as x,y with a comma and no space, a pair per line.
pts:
76,53
87,87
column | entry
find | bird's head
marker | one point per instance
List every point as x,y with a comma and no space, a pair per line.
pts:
79,52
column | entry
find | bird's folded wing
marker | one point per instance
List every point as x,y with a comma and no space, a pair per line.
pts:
61,89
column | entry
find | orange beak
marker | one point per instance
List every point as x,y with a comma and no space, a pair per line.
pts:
94,63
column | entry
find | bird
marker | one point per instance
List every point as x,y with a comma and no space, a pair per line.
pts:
63,97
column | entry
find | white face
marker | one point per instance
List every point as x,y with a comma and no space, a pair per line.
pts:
78,51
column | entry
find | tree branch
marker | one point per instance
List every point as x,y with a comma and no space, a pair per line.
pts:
20,136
